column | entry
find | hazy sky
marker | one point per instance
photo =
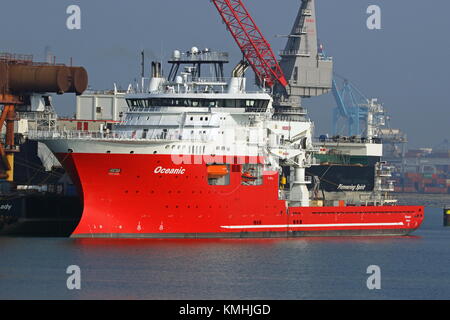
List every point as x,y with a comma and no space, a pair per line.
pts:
406,64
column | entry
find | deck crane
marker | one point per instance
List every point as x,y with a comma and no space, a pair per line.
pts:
256,49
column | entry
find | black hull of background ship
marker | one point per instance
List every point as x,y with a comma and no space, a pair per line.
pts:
39,203
39,215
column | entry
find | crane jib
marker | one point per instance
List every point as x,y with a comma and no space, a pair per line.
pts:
250,40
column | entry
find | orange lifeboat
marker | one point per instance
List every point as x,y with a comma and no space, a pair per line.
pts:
247,177
217,171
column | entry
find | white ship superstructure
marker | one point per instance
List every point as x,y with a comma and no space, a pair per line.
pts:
209,117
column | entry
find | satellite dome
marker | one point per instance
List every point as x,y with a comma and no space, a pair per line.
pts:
177,54
194,50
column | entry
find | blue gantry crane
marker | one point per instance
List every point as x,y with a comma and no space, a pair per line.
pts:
350,117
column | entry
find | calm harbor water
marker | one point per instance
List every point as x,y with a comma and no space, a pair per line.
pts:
415,267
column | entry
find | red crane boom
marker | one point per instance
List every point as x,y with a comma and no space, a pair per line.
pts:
250,40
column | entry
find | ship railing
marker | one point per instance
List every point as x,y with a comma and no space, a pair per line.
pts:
384,173
89,135
179,87
208,80
108,136
255,110
109,92
37,115
287,118
8,57
168,109
281,110
202,56
376,199
354,139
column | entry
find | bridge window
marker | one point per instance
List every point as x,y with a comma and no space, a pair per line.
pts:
206,103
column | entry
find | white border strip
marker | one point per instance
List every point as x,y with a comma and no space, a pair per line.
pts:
315,225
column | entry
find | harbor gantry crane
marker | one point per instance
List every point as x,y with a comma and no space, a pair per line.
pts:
350,117
355,114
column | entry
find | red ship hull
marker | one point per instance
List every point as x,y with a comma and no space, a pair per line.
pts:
137,196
